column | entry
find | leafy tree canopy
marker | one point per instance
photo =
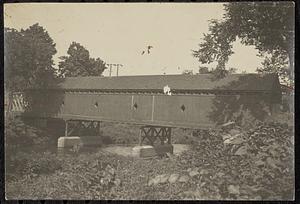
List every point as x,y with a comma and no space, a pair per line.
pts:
79,63
28,58
206,70
28,62
269,26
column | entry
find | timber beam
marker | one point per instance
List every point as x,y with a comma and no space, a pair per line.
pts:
152,133
82,128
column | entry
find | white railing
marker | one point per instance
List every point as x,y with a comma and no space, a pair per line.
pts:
18,103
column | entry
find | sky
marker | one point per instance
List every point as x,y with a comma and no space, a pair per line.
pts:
119,32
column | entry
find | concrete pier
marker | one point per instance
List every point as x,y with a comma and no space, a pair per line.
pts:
144,151
67,142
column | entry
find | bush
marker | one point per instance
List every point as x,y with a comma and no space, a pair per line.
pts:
107,140
21,143
183,136
18,134
32,164
118,133
259,166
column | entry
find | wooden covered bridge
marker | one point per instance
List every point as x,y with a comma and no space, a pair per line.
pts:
158,102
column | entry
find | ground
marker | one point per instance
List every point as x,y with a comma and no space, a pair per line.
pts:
127,150
255,164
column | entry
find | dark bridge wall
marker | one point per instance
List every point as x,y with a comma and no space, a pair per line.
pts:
139,108
197,101
197,111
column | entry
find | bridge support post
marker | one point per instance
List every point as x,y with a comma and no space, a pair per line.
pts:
66,128
152,133
80,133
99,128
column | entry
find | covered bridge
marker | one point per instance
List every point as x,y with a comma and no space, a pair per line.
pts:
157,102
192,101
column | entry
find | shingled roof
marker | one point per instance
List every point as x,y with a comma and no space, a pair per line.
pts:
234,82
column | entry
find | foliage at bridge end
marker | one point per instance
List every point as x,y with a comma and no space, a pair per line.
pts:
269,26
28,60
79,63
28,65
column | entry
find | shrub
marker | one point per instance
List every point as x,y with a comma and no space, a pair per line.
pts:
21,143
118,133
32,164
18,134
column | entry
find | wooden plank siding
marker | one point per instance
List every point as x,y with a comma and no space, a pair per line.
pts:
186,107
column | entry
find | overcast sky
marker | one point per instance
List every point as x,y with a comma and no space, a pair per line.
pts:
118,33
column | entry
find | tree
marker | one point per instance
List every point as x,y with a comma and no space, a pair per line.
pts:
28,64
269,26
204,70
28,59
79,63
276,63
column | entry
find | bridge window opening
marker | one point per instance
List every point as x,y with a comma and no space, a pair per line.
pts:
135,106
96,105
182,108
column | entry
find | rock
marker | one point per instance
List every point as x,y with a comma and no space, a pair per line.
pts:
233,189
144,151
188,195
234,132
150,182
271,162
193,173
257,197
203,172
202,184
245,197
104,181
236,139
183,179
110,170
228,125
158,179
173,178
155,181
117,182
164,178
241,151
64,142
226,136
259,163
220,174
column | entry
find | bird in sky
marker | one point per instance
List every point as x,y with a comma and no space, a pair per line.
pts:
148,49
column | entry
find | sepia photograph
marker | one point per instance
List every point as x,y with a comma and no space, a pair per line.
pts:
149,101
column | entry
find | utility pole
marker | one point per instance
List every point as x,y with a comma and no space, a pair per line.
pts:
118,68
110,66
114,65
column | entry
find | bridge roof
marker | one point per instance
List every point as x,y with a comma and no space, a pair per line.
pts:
234,82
